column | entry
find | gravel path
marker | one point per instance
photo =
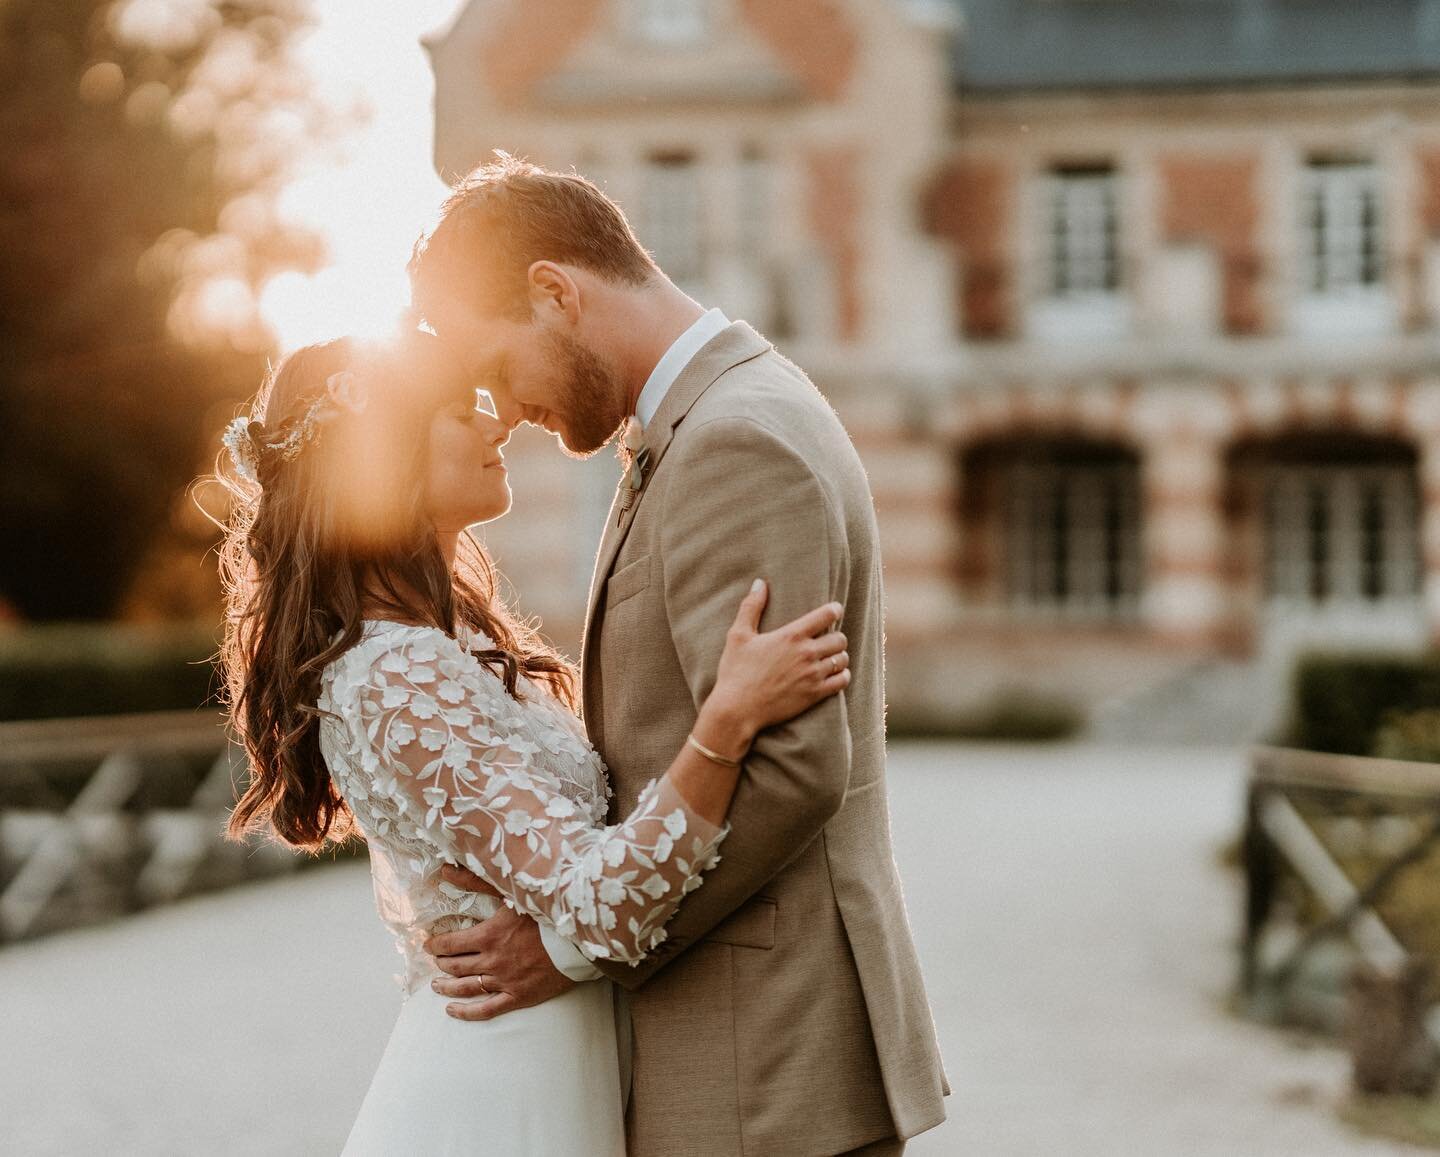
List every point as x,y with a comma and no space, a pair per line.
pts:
1076,934
1074,928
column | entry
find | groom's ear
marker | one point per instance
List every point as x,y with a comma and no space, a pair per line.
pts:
554,294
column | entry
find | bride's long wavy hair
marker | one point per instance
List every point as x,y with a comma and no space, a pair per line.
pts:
327,527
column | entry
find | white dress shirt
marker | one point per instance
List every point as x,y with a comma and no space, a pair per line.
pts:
682,350
566,957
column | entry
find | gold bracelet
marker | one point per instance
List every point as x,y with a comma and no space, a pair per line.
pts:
713,756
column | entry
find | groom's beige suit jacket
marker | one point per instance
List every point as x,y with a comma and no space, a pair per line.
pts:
785,1014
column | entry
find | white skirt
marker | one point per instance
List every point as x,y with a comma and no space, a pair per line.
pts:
537,1082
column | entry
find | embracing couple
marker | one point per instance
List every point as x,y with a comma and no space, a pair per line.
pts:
676,928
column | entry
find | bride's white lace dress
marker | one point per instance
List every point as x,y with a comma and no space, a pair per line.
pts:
440,765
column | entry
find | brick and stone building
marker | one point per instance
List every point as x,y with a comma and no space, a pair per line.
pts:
1132,309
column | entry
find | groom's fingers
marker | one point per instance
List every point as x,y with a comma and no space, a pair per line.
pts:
461,942
464,987
466,880
831,644
472,965
478,938
494,1006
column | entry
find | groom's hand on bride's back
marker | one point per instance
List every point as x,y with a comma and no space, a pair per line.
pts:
496,966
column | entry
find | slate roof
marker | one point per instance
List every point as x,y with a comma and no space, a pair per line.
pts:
1019,45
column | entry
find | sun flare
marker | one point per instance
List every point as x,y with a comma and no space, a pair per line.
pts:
370,197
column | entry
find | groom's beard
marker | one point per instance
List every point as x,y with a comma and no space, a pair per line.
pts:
589,397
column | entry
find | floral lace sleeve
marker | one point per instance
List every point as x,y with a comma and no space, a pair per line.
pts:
449,750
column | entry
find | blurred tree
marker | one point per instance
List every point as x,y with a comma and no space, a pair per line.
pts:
145,141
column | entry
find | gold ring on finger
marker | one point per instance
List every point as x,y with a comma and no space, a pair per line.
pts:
480,980
834,664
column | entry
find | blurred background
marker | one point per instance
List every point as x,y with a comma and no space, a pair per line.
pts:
1132,310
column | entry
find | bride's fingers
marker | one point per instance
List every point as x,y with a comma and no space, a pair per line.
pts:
818,622
752,606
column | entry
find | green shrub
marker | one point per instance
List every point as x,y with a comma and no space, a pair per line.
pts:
1413,735
1341,702
51,672
1019,716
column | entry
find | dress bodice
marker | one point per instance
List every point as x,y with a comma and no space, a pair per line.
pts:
439,764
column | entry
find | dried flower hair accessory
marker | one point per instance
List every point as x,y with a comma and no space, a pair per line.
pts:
244,454
347,391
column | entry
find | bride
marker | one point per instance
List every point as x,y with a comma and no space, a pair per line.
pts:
381,688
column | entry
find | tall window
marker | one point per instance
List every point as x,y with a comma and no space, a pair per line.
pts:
1083,242
1340,218
670,217
1079,281
756,196
673,22
1071,526
1341,532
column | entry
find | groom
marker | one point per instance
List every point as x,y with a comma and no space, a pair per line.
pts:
785,1013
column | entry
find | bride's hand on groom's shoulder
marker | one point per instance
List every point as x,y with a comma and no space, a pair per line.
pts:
768,677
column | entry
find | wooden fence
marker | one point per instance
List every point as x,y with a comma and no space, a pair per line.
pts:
1330,844
104,816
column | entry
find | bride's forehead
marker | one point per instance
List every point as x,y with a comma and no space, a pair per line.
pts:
427,371
434,391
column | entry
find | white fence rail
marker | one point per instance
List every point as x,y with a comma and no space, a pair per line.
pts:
104,816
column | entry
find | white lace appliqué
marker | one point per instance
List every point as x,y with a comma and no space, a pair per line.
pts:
440,765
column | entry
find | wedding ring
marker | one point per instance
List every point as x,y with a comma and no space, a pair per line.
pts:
834,664
481,981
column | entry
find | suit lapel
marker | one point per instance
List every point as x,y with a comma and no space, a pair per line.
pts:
735,344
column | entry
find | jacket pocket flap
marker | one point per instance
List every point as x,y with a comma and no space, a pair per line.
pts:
629,580
752,925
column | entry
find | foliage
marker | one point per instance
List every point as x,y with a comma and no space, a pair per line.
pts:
1410,1120
1413,735
54,671
1012,715
145,141
1342,702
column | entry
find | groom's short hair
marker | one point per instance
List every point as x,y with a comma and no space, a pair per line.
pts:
506,215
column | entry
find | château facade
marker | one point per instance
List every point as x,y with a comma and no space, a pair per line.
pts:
1132,310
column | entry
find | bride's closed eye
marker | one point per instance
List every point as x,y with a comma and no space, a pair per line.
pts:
485,404
468,411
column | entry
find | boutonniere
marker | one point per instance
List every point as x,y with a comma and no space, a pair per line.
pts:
636,457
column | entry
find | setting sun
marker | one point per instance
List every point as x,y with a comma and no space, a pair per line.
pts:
370,195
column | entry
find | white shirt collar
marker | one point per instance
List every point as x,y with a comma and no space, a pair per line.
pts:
675,359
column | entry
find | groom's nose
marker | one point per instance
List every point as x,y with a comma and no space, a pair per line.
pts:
507,410
497,431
